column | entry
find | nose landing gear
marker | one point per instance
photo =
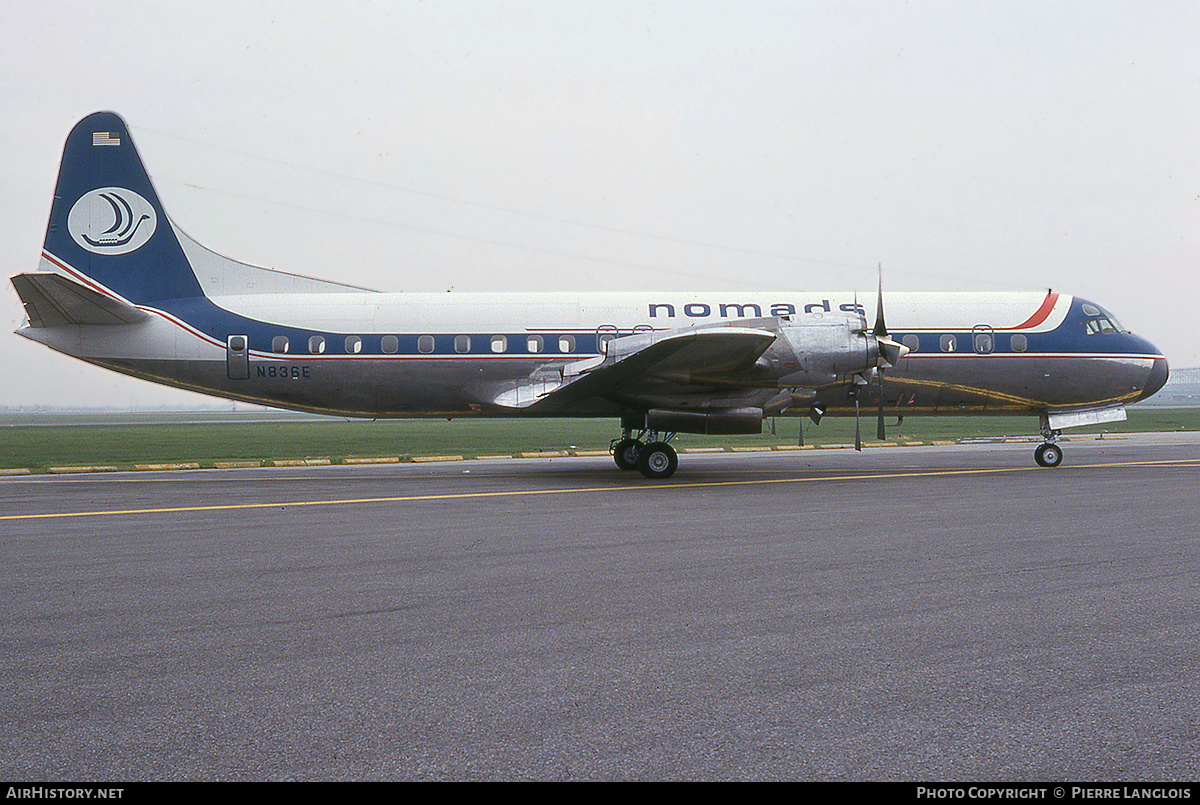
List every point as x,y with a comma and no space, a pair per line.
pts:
1048,454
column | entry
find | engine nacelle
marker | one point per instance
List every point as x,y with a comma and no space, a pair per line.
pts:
828,347
711,423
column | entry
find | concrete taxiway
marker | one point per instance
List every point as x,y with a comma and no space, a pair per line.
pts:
948,613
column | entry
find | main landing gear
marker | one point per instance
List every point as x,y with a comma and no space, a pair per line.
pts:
1048,454
653,458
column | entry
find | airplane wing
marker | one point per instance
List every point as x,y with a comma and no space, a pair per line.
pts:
52,300
634,365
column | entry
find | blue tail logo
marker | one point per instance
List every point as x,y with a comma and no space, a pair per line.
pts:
108,224
111,220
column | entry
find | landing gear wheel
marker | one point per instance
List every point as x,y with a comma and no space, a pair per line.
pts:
657,461
1048,455
625,453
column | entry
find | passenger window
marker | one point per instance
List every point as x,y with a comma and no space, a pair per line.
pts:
1019,343
912,342
947,343
566,343
983,342
389,344
534,343
237,343
353,345
462,343
279,344
316,345
499,343
606,333
425,344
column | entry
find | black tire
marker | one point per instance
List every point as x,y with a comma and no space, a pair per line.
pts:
1048,455
657,461
625,453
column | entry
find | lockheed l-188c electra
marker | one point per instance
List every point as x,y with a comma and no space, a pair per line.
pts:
121,286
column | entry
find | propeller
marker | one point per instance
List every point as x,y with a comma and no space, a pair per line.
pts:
890,353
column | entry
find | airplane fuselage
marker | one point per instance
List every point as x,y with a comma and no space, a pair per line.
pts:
455,354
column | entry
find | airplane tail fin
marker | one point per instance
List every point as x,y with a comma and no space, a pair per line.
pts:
107,225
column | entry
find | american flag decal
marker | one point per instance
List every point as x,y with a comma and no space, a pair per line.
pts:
104,138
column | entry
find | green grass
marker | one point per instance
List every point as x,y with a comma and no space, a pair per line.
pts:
40,441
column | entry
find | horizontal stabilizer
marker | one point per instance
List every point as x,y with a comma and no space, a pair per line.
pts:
52,300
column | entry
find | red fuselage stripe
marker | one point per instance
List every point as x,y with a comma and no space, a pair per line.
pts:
1041,314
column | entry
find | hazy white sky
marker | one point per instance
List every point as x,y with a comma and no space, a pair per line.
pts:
630,145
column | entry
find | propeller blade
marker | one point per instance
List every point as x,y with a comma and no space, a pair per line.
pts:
880,330
879,432
857,433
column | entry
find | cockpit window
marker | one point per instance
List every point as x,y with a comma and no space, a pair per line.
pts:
1102,324
1099,320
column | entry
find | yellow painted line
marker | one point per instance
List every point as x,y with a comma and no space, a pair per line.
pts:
598,489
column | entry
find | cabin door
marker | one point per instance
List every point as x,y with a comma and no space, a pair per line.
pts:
237,357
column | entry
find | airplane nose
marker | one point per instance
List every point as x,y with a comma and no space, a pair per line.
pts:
1157,378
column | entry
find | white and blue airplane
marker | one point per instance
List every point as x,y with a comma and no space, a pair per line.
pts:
119,285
